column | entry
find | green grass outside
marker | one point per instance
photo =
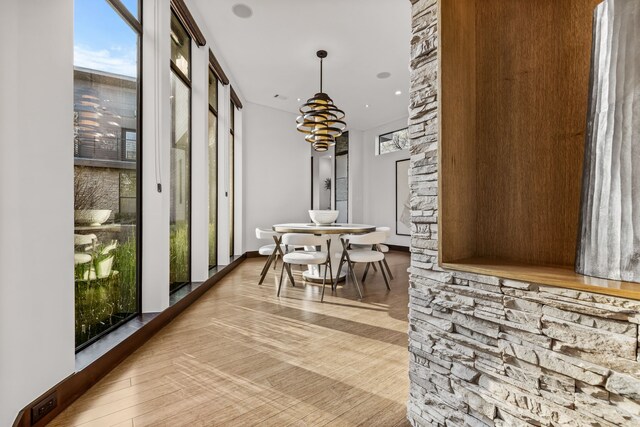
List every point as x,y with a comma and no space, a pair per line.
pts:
179,253
101,303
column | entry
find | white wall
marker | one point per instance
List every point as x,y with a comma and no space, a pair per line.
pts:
276,171
356,177
224,117
379,181
36,200
156,128
199,164
238,157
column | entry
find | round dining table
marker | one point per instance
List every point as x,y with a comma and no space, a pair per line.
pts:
315,273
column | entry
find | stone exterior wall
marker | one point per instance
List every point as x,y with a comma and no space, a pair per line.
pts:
105,182
486,351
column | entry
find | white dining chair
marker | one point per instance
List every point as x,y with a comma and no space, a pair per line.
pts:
385,249
270,250
369,256
307,256
381,247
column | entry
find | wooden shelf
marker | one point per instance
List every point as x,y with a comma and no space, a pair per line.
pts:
558,276
514,84
513,109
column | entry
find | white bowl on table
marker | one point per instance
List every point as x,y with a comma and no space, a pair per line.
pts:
92,217
323,217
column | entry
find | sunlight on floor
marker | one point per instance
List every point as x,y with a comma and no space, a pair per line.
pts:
242,356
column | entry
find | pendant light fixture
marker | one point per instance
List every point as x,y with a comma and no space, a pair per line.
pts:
320,119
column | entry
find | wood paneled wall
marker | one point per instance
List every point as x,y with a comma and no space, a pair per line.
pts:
458,129
516,172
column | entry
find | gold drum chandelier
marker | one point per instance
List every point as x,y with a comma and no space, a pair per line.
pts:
320,119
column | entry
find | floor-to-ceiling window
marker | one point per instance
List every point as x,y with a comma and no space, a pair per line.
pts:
213,170
106,165
180,188
341,168
232,119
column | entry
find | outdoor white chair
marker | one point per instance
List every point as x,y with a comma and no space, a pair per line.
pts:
362,255
307,256
84,243
87,249
272,251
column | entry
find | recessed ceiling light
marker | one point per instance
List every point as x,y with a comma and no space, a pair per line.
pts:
398,92
383,75
366,106
299,99
242,10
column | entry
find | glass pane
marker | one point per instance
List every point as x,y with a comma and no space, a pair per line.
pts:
213,91
342,177
129,138
232,119
180,46
105,183
180,188
133,7
394,141
213,189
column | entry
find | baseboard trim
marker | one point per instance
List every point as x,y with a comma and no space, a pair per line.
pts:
76,384
398,248
253,254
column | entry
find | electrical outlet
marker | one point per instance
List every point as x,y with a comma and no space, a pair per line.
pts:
43,407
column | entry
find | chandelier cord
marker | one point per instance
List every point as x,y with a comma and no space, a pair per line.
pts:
320,75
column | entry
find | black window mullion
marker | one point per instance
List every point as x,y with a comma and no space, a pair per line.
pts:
122,10
180,75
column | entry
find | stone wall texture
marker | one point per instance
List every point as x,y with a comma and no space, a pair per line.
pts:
105,183
486,351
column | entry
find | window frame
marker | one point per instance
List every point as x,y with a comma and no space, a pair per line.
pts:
378,151
173,287
232,175
123,144
136,25
335,172
214,110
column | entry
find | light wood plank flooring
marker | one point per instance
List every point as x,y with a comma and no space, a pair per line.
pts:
241,356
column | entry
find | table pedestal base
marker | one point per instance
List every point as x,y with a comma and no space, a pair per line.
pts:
315,274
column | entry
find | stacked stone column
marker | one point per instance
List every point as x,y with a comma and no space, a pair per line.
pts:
486,351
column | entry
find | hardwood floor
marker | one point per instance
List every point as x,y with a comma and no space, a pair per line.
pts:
240,356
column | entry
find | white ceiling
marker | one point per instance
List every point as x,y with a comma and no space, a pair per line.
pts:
274,52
